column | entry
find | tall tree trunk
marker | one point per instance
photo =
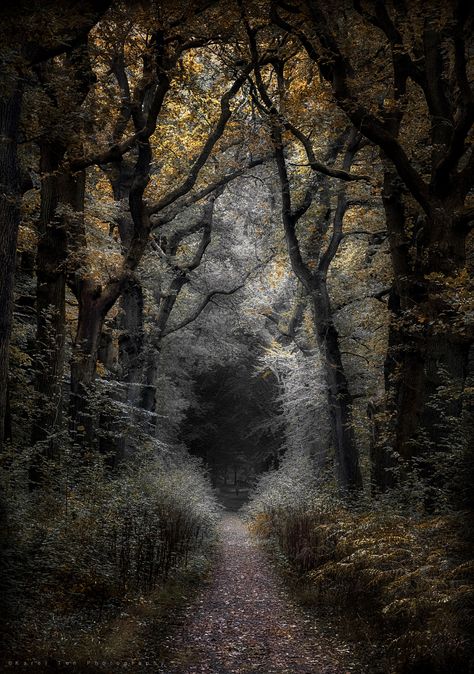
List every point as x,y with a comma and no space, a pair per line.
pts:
131,355
315,283
131,339
50,297
91,316
383,459
64,191
10,110
132,336
427,358
148,389
83,363
339,397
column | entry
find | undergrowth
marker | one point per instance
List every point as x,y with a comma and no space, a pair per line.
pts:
410,576
90,541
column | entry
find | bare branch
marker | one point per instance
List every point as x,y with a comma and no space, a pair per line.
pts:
210,297
357,232
200,308
170,214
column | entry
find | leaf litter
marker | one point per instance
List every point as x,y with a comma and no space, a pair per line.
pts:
245,621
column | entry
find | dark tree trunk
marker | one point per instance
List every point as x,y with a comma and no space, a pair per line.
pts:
83,363
94,304
51,259
315,283
91,426
131,339
132,336
10,109
148,389
427,358
339,397
107,352
131,356
384,416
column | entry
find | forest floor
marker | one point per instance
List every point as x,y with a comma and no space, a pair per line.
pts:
241,618
246,622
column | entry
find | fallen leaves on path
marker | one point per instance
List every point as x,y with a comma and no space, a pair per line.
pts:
246,623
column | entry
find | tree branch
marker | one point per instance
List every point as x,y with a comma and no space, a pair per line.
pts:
209,298
318,166
203,156
169,215
341,208
200,308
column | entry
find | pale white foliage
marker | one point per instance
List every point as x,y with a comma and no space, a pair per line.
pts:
302,398
290,487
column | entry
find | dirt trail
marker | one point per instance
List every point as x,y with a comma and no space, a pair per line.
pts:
245,622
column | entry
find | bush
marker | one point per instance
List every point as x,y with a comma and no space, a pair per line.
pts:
408,576
88,538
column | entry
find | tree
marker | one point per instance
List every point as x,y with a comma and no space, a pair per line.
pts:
423,67
315,283
315,280
95,300
65,83
19,56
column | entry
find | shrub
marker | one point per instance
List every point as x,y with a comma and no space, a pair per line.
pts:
88,537
409,576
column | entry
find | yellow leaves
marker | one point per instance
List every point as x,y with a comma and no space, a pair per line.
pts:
460,278
100,369
27,239
261,525
390,104
19,357
103,187
192,66
277,271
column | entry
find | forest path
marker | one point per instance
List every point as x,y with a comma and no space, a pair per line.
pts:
246,623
